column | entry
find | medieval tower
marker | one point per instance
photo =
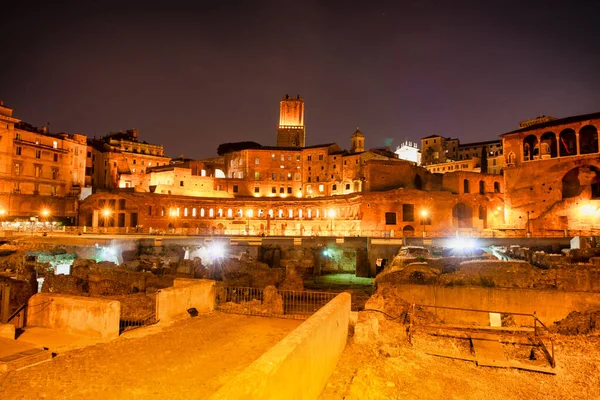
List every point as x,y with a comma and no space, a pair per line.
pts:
291,132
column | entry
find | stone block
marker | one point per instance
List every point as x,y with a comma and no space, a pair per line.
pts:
7,331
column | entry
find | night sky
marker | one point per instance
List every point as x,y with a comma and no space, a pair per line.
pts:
192,75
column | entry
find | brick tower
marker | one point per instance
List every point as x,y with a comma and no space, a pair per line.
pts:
291,132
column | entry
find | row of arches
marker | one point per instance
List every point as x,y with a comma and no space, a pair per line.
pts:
482,187
350,212
568,143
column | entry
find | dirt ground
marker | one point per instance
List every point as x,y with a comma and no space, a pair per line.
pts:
394,369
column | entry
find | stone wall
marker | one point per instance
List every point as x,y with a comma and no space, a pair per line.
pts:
98,318
186,293
299,366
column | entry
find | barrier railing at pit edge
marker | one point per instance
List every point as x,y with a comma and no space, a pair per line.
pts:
536,321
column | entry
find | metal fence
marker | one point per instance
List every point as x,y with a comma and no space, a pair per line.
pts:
289,304
134,316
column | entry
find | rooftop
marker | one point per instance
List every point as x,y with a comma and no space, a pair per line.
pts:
556,122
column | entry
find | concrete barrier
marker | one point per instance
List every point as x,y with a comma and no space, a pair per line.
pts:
93,317
299,366
173,302
550,305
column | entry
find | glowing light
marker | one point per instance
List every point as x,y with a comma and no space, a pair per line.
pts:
331,213
216,250
424,213
250,213
2,211
45,212
463,245
106,212
587,210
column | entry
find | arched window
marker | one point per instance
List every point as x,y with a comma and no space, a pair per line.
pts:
229,213
194,212
568,143
185,212
299,213
309,213
280,214
211,213
548,148
220,213
511,159
588,140
270,213
260,213
290,213
530,148
202,212
240,213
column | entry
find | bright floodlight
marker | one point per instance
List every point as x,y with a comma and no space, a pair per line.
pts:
588,209
106,212
45,212
424,213
216,250
463,244
331,213
249,213
2,212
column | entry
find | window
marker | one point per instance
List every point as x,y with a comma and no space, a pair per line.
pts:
256,189
320,157
202,212
466,186
17,169
150,211
321,188
282,158
54,191
273,189
390,218
240,162
297,177
18,150
308,179
18,136
347,186
16,187
185,212
273,176
289,190
298,158
257,175
408,212
194,212
289,176
38,171
220,213
55,157
497,187
235,188
309,158
134,162
282,190
273,156
281,176
180,183
54,173
211,213
257,160
76,151
36,188
334,187
55,145
334,166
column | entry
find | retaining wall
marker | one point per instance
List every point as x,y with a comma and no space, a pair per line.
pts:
174,302
550,305
299,366
93,317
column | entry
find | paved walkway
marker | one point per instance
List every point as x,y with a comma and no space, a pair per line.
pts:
188,360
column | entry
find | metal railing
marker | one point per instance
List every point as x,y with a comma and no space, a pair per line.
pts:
139,319
537,325
289,304
18,317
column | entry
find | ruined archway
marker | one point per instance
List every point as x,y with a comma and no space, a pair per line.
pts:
530,148
418,182
548,147
462,216
568,143
588,140
570,184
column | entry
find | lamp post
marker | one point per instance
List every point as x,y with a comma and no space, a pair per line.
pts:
331,214
424,221
45,214
106,214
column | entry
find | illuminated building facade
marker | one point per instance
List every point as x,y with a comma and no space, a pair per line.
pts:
39,171
552,174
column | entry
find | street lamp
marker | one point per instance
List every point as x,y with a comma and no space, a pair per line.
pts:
45,214
424,214
331,214
106,214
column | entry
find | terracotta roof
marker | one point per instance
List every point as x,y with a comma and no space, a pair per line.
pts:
556,122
